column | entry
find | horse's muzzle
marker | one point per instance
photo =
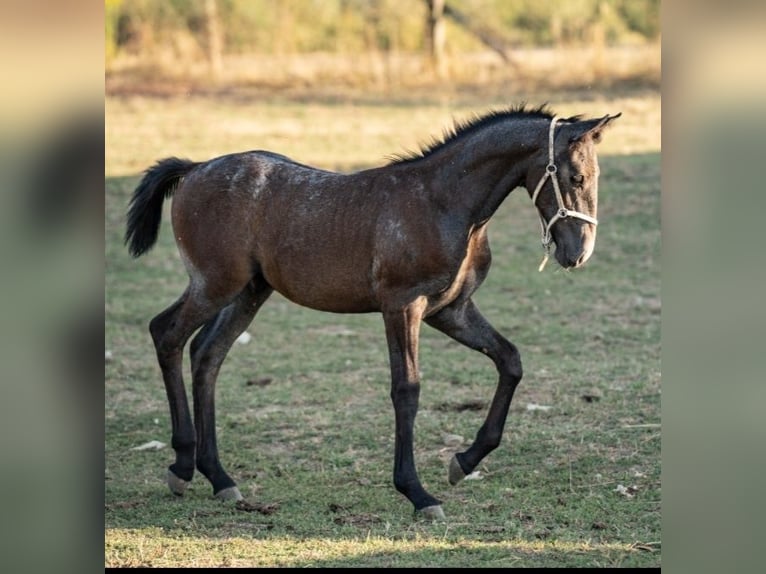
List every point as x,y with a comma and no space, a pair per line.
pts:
574,259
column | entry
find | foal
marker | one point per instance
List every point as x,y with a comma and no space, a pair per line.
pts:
407,240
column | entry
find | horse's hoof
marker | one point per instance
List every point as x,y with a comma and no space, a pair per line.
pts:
434,512
231,493
456,473
177,485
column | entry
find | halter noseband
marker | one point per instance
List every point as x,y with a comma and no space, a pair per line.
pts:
550,172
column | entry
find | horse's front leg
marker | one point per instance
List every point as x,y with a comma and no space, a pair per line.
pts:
464,323
402,330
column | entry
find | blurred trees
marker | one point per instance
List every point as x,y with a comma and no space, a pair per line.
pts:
183,27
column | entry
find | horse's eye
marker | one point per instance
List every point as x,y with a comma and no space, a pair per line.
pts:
578,179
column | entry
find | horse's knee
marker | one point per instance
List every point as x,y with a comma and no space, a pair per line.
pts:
405,392
510,366
515,373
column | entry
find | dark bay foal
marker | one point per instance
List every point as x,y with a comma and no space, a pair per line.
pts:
407,240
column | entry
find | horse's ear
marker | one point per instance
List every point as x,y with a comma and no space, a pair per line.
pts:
590,128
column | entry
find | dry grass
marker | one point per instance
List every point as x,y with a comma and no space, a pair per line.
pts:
142,129
530,70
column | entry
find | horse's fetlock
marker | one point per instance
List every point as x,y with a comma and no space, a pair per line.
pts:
493,440
183,444
405,485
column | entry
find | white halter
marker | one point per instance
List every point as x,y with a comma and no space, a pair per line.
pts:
550,172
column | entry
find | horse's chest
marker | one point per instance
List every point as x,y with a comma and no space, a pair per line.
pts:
466,279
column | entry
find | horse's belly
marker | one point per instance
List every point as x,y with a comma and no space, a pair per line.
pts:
331,302
336,290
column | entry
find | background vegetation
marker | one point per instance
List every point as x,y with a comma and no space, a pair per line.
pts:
377,44
300,26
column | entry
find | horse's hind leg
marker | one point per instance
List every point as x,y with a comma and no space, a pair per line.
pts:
170,331
465,324
208,351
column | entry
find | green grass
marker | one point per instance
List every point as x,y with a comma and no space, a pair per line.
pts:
315,445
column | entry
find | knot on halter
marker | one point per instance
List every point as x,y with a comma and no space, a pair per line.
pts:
550,172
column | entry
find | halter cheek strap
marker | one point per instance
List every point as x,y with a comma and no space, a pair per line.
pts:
550,172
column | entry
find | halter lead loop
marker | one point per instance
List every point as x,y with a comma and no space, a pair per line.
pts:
550,172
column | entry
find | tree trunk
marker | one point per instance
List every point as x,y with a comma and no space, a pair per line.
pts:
214,40
436,36
484,33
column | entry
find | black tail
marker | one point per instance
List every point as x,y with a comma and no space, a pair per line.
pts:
145,213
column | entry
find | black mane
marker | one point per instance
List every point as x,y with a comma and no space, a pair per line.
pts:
463,127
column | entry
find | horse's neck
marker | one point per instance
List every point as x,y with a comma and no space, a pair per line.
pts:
479,171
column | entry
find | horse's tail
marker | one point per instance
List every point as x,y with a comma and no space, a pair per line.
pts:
145,213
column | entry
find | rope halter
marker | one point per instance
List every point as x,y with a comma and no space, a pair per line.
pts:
550,172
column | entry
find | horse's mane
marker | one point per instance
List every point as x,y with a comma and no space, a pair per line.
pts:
461,128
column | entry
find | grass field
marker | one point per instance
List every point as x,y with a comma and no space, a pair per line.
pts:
311,444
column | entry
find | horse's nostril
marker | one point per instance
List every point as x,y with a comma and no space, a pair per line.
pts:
584,256
573,261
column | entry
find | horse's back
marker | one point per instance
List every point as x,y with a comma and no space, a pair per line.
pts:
302,228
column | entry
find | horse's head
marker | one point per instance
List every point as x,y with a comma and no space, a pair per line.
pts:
563,180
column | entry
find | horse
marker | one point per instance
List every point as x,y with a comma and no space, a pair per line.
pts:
407,240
